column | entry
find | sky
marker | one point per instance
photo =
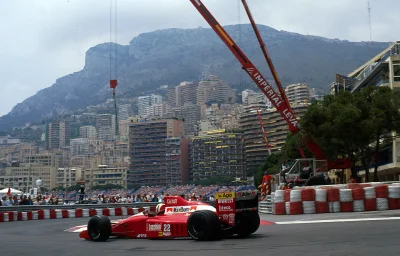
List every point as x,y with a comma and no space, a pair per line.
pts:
43,40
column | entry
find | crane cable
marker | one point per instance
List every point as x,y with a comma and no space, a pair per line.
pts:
114,82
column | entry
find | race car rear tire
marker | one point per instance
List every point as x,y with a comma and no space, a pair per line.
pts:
247,223
204,225
99,228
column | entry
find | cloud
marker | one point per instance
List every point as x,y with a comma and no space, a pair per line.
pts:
44,40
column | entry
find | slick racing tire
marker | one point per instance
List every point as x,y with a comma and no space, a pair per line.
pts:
99,228
247,223
204,226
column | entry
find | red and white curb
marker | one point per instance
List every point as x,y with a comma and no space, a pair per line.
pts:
70,213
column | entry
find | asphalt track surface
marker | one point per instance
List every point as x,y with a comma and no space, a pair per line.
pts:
344,234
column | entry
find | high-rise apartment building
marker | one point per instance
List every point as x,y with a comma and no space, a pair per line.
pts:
216,153
213,89
177,160
250,97
156,110
79,146
275,127
124,111
298,93
105,126
147,151
146,101
191,115
57,134
88,132
183,94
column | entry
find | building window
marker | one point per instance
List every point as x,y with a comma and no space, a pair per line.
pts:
396,71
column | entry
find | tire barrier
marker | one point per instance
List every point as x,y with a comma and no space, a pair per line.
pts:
333,199
68,213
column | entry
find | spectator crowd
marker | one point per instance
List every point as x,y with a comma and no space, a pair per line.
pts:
143,194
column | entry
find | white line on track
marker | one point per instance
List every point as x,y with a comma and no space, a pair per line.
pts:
334,221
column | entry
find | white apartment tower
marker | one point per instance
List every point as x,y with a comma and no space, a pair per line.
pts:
146,101
298,93
213,89
88,132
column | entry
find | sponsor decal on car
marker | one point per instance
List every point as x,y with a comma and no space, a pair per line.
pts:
141,235
225,195
180,209
172,201
231,218
225,201
154,227
225,208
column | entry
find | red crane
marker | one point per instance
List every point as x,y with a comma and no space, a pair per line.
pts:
278,101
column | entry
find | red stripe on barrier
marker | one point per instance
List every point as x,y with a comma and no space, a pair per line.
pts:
346,206
141,209
295,208
10,216
52,214
308,194
382,191
19,216
1,216
287,195
29,215
280,208
394,203
321,207
106,212
358,193
78,213
130,211
40,214
64,213
92,212
118,211
370,204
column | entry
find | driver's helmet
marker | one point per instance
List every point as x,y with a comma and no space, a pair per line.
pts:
160,208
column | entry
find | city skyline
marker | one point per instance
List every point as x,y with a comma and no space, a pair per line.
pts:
77,27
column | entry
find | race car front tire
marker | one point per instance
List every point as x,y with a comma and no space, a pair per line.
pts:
99,228
204,226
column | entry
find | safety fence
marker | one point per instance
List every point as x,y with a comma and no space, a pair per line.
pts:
333,199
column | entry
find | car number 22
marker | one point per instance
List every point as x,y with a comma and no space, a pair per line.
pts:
167,230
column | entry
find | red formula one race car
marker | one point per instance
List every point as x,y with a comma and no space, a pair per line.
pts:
234,214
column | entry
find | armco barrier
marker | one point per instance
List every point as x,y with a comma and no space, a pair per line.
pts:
336,198
39,212
7,216
27,208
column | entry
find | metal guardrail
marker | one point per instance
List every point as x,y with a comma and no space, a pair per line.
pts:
22,208
266,205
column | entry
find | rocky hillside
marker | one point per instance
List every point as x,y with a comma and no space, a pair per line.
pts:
174,55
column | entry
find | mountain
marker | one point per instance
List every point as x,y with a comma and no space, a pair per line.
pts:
173,55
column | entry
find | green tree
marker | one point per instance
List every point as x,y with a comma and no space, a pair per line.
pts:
335,123
380,105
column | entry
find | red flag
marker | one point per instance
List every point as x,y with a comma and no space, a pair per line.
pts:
9,192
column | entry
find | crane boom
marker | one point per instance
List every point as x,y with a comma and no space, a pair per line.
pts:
249,67
266,55
280,104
